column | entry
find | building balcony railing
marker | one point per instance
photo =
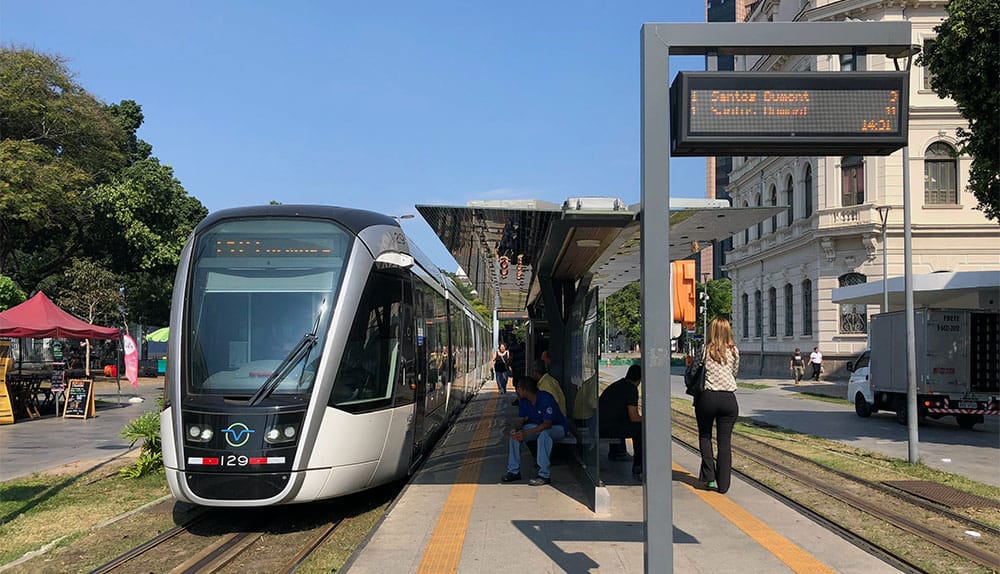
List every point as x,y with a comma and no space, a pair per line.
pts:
861,216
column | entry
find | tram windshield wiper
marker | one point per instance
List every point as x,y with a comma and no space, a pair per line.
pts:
297,355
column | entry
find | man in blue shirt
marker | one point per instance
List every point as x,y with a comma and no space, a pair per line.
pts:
539,418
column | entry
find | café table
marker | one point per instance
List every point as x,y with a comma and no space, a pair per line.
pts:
23,391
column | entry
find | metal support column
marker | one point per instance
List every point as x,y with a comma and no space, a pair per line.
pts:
911,346
655,289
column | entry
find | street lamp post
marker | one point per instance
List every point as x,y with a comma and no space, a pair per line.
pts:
704,318
883,214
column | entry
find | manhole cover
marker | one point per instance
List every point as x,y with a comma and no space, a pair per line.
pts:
942,494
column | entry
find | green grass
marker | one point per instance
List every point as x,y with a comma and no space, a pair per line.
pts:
44,507
752,386
825,398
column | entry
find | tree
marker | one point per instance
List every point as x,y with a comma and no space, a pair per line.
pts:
56,141
77,182
964,67
142,219
720,302
130,118
92,293
623,312
10,295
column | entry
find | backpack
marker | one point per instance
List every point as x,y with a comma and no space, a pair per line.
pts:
694,377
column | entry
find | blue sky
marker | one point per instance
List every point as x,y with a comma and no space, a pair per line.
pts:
376,105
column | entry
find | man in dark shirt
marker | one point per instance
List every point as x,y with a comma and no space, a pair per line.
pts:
618,412
539,418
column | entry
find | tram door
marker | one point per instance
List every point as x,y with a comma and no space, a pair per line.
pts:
426,354
411,366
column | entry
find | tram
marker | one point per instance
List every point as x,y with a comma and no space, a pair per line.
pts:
314,352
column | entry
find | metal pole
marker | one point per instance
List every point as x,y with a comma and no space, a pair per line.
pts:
883,213
911,346
760,317
605,325
658,552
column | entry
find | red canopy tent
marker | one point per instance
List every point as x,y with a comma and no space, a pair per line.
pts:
40,318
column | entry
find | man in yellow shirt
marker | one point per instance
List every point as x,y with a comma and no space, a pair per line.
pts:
548,383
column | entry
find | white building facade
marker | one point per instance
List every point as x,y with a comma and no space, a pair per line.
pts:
783,270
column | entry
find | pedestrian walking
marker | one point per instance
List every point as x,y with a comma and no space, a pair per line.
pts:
816,360
798,366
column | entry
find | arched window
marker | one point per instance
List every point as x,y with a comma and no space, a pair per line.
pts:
789,311
790,201
853,318
760,225
940,175
807,307
774,202
746,232
807,184
746,317
772,312
852,170
758,310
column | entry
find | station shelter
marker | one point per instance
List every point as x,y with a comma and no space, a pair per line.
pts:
550,265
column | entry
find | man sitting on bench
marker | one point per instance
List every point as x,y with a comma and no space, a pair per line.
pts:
619,416
538,419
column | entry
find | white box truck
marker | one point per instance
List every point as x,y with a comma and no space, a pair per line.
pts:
958,365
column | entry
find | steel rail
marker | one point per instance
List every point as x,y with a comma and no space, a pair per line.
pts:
872,548
299,558
967,551
147,545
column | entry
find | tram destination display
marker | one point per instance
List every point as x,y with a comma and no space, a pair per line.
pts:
799,113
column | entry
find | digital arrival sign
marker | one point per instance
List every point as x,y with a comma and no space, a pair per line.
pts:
781,114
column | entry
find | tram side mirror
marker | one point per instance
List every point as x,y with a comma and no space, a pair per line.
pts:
394,259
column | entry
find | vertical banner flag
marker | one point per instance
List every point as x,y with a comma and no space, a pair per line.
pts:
131,360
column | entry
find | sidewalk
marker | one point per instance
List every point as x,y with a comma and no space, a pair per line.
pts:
36,445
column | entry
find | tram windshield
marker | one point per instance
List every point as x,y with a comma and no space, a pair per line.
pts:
258,285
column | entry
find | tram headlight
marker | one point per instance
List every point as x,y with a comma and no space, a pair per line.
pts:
199,433
280,434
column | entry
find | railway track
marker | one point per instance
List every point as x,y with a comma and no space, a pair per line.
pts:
210,554
928,522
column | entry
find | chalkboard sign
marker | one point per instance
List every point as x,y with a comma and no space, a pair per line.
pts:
79,399
58,381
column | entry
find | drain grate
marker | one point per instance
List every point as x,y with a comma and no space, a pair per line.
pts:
942,494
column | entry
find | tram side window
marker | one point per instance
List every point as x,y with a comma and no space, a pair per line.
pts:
369,367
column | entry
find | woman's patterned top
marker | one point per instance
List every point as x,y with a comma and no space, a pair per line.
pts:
722,377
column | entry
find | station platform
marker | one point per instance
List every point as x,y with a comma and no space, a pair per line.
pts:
456,516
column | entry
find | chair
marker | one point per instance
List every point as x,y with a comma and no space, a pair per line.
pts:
6,400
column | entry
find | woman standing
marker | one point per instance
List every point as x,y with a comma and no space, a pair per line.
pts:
717,404
501,367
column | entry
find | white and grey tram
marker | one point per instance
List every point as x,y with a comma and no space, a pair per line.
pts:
313,353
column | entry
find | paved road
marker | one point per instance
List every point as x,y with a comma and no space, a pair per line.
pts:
29,446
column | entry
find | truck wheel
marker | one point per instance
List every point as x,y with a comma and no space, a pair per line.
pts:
966,421
862,407
901,414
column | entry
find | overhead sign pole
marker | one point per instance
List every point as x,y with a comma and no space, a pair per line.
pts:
657,43
654,263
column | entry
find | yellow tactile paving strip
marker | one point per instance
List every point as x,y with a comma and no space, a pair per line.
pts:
782,548
445,547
